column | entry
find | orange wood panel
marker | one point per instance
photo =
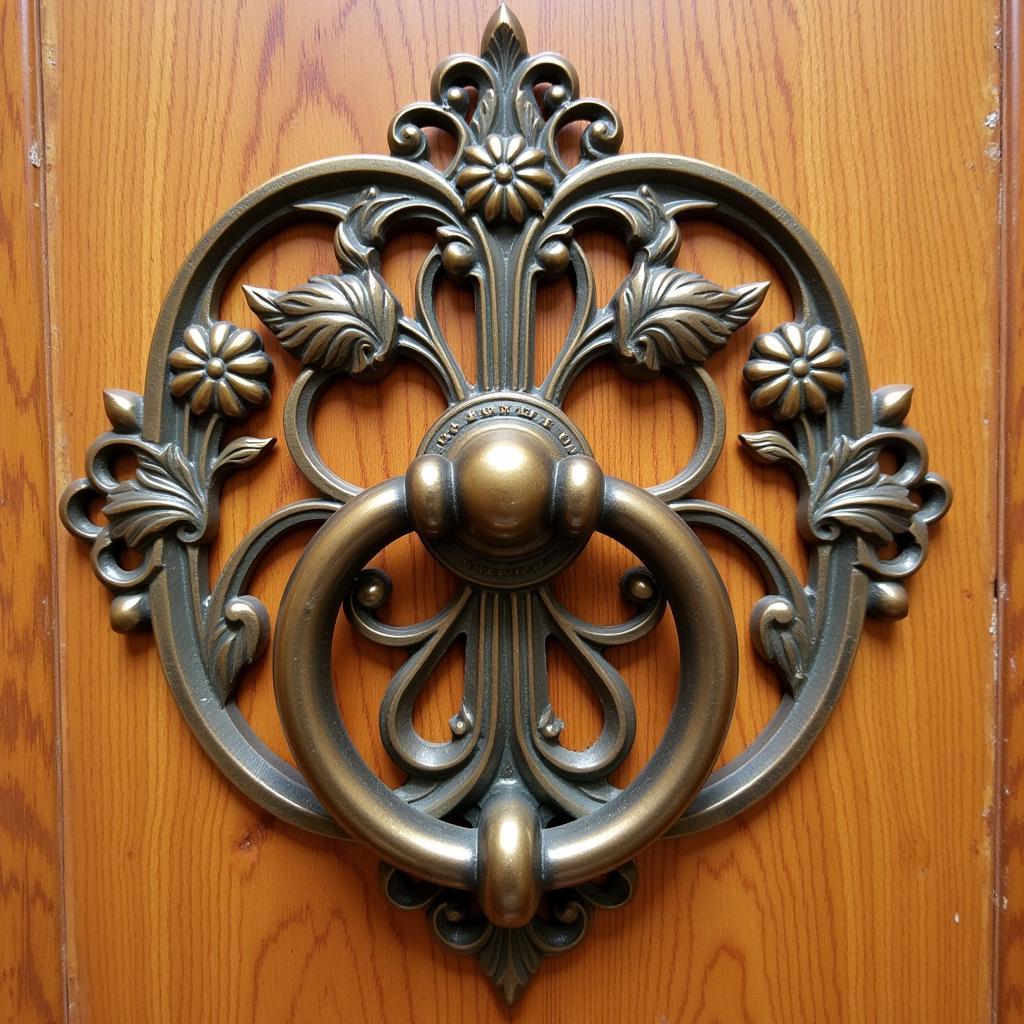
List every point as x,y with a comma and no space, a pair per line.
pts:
862,890
1010,859
30,891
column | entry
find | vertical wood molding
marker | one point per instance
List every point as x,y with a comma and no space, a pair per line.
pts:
1009,866
31,981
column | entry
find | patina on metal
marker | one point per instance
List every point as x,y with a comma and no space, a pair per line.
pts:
504,836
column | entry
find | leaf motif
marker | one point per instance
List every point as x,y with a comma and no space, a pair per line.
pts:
123,409
529,117
446,234
347,322
360,231
483,116
165,491
243,451
510,958
891,404
770,446
664,315
504,42
237,640
650,226
782,638
851,490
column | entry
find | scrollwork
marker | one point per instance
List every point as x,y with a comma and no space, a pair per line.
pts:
505,214
504,78
238,637
427,643
649,225
782,623
782,637
845,489
510,956
167,492
237,625
445,775
850,490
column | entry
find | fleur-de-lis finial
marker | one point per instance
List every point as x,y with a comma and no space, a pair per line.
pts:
503,33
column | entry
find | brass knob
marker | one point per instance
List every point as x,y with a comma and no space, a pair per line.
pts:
506,489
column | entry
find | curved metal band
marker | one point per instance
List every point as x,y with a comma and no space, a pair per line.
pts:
446,853
737,204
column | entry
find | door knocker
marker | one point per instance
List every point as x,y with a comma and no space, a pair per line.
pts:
504,836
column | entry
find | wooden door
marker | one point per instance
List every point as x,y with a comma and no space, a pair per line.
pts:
875,884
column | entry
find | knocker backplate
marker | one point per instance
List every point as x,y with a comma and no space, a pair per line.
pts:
506,837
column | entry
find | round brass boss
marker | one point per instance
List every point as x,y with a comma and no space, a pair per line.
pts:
493,494
503,479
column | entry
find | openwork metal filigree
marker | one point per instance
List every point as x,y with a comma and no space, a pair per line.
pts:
507,838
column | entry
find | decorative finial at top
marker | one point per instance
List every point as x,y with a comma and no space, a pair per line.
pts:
512,106
503,35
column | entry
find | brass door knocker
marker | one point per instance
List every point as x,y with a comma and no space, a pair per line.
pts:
507,838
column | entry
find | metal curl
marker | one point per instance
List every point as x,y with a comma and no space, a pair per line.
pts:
440,773
299,411
473,754
112,574
589,335
238,570
911,444
102,453
602,137
371,590
426,342
407,748
912,549
407,138
652,608
618,728
711,424
777,573
74,510
456,72
935,498
552,68
782,624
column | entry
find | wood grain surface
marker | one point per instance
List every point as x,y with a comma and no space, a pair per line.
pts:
30,884
863,889
1009,882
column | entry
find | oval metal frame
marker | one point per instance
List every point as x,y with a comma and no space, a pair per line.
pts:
194,297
